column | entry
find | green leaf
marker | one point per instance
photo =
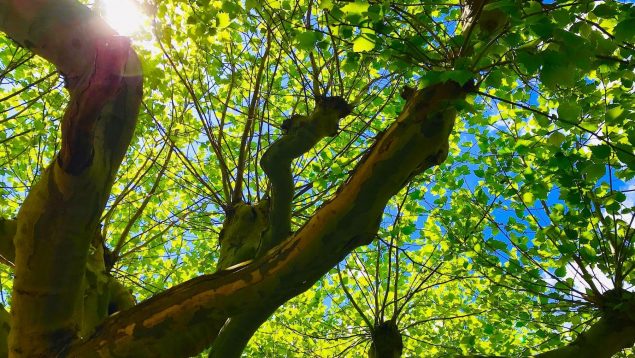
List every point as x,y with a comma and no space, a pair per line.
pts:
569,111
615,112
605,11
561,286
488,329
626,155
594,171
497,245
355,7
554,76
561,271
326,4
588,253
567,248
602,151
528,198
625,30
556,139
459,76
363,44
307,40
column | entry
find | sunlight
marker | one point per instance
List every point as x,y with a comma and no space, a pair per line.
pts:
124,16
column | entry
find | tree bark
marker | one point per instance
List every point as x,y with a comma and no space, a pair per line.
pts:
7,248
604,339
50,239
613,332
59,218
172,323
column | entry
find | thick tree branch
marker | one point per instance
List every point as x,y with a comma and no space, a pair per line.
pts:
172,323
604,339
613,332
5,327
93,91
240,236
302,134
243,237
386,341
237,332
60,215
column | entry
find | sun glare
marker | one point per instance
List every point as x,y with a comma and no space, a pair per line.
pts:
124,16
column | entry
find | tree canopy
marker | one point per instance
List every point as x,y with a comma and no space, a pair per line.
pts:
317,178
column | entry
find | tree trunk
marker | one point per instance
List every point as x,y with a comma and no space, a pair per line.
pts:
59,218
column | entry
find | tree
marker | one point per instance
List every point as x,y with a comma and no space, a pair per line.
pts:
474,156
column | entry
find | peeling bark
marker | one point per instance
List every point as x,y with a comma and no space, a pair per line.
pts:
54,269
104,79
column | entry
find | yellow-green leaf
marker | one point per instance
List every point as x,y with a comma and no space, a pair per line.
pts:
222,20
363,44
556,139
528,198
355,7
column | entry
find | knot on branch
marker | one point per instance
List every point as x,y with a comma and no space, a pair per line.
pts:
334,103
386,341
618,304
323,122
295,121
241,233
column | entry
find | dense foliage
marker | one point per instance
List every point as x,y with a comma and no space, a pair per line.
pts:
520,241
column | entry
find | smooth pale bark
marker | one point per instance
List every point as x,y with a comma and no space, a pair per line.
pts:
58,220
103,295
173,323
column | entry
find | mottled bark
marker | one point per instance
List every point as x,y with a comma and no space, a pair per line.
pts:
240,237
173,323
56,224
59,218
301,134
250,230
